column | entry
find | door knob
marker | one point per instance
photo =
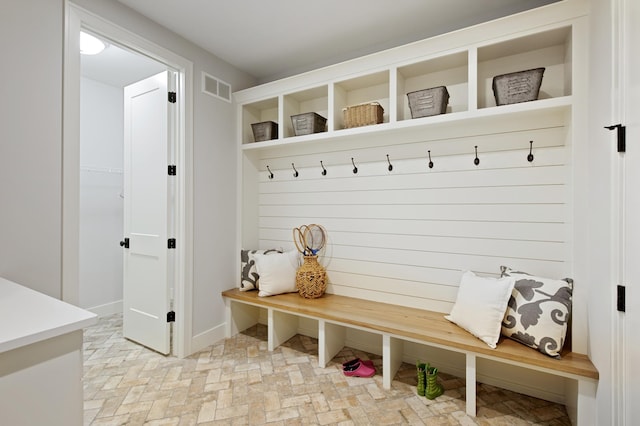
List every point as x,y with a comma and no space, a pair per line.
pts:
125,243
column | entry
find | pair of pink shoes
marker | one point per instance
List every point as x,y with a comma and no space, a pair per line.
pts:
358,368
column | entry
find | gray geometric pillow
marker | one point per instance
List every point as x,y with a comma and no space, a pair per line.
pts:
248,273
538,311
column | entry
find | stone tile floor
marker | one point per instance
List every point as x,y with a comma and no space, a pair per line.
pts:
237,381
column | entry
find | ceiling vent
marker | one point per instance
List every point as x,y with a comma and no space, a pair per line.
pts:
215,87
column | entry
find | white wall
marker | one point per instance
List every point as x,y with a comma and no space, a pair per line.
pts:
214,153
31,34
101,204
602,156
31,37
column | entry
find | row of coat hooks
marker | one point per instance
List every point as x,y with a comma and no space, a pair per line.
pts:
476,161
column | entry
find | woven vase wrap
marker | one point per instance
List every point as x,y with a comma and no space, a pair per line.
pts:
311,278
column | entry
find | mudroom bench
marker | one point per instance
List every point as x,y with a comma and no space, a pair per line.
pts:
395,324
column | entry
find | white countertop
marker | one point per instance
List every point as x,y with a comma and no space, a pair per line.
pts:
27,316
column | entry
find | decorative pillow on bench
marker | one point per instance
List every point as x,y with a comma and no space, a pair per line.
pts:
277,272
538,311
249,278
480,306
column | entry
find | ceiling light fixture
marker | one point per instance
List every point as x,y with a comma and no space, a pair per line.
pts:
90,45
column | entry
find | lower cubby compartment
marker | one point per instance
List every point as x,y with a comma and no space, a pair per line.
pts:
333,338
311,383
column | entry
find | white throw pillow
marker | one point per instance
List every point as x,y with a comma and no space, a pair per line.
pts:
277,272
249,278
481,304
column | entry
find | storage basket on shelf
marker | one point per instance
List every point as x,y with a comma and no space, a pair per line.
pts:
362,115
427,102
307,123
311,278
264,131
515,87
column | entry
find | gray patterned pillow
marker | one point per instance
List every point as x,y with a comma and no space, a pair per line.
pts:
248,273
538,311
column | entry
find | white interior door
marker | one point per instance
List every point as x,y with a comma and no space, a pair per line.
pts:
146,293
631,222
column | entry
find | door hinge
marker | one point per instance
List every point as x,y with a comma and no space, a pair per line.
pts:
172,170
172,97
171,316
622,136
621,299
171,243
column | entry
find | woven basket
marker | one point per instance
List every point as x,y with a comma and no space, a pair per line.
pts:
362,115
311,278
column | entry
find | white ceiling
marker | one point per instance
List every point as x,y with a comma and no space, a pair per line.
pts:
270,39
118,67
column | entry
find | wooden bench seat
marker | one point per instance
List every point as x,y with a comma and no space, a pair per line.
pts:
396,324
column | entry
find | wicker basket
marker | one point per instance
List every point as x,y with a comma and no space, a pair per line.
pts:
265,131
362,115
521,86
308,123
311,278
428,102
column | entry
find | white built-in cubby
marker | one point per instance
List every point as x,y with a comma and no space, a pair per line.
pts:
451,71
466,72
404,235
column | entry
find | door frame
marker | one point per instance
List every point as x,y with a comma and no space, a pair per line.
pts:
77,18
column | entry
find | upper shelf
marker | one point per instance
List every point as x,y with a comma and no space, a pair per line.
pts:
500,118
466,73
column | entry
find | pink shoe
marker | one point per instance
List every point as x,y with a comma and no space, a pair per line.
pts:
355,361
360,369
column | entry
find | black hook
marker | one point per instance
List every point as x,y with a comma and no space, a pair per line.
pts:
476,161
324,171
430,162
355,169
390,165
270,173
530,156
295,172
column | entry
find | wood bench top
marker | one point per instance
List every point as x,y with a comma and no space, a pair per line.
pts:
415,324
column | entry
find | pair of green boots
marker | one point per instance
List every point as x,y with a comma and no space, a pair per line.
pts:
428,381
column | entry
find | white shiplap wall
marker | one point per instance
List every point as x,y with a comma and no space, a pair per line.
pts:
405,236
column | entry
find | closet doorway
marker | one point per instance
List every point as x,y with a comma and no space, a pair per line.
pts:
124,149
100,180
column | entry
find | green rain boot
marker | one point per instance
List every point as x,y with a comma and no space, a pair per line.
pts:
421,369
434,389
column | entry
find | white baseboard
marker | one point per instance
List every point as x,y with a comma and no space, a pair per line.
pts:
207,338
107,309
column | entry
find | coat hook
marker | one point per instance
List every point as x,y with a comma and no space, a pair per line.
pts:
295,172
390,165
430,162
477,160
355,169
270,173
530,156
324,171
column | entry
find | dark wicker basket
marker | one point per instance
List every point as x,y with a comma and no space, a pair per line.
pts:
265,131
521,86
307,123
427,102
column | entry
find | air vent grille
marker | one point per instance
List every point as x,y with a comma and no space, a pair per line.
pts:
215,87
